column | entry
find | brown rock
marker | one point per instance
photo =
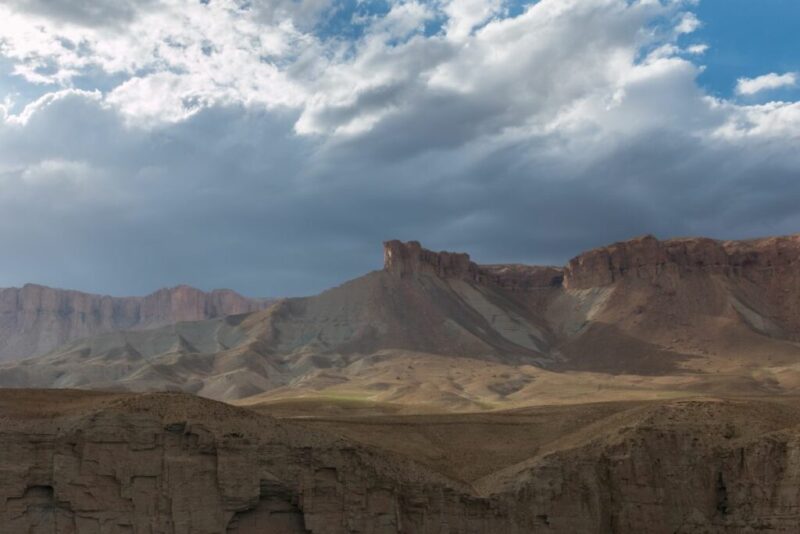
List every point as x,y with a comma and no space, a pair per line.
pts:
75,462
648,258
408,259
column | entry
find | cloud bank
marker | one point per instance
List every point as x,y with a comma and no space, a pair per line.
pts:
266,147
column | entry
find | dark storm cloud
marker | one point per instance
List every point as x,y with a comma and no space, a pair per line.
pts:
534,139
234,198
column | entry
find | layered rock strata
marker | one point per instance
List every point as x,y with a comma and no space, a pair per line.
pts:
174,464
36,319
759,260
407,259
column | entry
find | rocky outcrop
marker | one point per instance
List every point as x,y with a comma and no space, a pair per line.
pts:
410,258
174,464
35,319
688,466
647,258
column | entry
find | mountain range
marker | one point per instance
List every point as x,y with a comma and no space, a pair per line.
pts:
35,319
635,319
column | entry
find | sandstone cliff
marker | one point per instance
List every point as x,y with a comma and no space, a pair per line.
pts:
36,319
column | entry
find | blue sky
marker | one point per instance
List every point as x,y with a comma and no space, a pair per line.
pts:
748,39
269,146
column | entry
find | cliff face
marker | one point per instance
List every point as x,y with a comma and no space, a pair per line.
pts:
36,319
408,259
174,464
758,260
761,277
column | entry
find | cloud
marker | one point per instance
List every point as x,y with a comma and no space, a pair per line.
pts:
689,23
767,82
89,13
237,144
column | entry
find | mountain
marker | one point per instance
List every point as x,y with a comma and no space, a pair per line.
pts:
637,319
36,319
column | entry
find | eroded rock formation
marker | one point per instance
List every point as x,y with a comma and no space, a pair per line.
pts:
35,319
646,257
410,258
175,464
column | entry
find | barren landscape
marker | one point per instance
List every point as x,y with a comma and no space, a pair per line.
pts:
399,267
647,386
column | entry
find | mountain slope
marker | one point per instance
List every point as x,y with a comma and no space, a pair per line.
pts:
638,319
36,319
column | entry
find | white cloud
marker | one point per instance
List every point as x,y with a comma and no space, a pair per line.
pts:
689,23
464,15
697,49
43,102
751,86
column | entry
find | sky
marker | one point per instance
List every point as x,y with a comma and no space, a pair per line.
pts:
271,146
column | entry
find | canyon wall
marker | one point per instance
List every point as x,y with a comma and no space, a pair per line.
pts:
175,464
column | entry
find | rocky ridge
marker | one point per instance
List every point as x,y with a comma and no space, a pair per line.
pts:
407,259
36,319
648,258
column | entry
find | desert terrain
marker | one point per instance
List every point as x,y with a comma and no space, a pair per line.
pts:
80,461
647,386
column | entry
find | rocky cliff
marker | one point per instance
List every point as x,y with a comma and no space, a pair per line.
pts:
36,319
407,259
758,260
174,464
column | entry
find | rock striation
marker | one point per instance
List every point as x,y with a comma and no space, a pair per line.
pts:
176,464
407,259
36,319
79,462
647,258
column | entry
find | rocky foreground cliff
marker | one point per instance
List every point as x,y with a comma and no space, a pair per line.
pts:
81,462
36,319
